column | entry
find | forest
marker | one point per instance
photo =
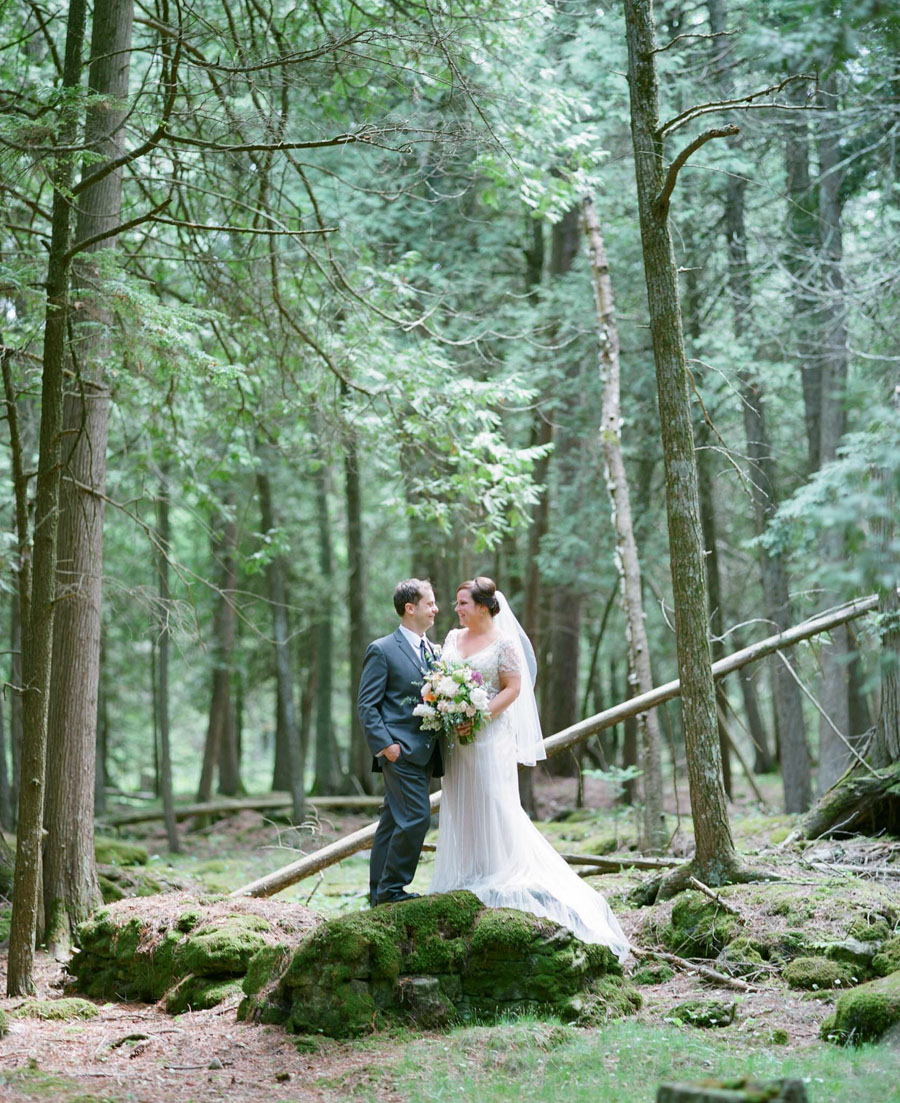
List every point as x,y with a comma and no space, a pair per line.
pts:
596,300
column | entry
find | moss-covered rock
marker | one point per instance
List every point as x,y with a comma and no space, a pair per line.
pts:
698,927
117,852
656,972
812,973
200,993
223,947
63,1009
432,962
869,928
865,1013
190,952
740,958
705,1013
887,960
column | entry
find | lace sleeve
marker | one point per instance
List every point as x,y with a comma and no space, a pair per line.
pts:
509,661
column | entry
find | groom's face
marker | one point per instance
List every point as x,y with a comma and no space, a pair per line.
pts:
422,614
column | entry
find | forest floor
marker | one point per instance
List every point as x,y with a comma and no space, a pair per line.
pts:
132,1053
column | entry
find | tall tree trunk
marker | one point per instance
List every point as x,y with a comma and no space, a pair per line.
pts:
6,816
788,704
357,641
37,618
328,777
832,362
559,700
15,700
715,854
287,736
220,710
639,668
71,888
706,492
164,536
541,434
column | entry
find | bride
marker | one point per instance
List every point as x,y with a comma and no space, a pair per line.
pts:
486,842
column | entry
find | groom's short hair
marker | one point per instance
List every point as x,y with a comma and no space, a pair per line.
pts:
409,592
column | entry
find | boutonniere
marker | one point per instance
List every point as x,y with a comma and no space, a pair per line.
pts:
436,650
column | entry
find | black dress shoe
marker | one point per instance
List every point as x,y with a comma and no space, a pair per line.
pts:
397,898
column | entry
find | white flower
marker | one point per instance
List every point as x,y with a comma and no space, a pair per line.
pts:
470,710
444,706
423,710
446,687
479,699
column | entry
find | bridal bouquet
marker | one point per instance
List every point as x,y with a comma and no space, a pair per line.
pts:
453,694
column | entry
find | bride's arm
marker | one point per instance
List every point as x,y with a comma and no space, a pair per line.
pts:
510,684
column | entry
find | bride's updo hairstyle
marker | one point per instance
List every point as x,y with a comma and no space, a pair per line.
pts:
483,591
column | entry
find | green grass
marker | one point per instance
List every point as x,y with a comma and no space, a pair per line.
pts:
623,1063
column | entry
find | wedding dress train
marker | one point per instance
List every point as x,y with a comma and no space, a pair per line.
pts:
486,842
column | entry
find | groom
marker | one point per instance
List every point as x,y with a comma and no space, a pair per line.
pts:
407,756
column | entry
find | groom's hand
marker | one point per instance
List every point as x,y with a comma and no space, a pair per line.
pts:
391,753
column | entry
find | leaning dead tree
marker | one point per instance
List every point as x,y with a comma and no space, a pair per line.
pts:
577,733
627,562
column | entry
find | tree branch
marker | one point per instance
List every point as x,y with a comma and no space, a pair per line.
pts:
681,37
742,102
242,229
114,231
661,203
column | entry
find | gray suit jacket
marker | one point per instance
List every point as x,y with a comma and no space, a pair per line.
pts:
388,691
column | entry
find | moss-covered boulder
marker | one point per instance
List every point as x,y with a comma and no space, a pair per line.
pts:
887,960
656,972
189,953
740,958
59,1010
817,973
432,962
117,852
865,1013
698,927
704,1013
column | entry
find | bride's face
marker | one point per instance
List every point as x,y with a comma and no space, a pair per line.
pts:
466,609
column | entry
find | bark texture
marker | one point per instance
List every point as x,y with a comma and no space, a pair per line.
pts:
37,620
715,855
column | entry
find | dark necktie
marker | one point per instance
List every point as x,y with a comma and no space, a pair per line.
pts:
423,652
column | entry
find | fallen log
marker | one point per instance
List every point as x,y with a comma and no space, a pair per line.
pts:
223,805
573,735
609,863
692,967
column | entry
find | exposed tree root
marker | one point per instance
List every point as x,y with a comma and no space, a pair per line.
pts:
678,880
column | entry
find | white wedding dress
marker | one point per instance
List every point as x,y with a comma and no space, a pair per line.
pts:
486,842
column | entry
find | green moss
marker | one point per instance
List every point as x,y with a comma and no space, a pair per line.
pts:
4,1024
887,960
199,993
5,919
656,973
115,852
705,1013
223,947
698,927
813,973
740,958
864,1013
188,920
109,890
63,1009
779,1037
869,928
